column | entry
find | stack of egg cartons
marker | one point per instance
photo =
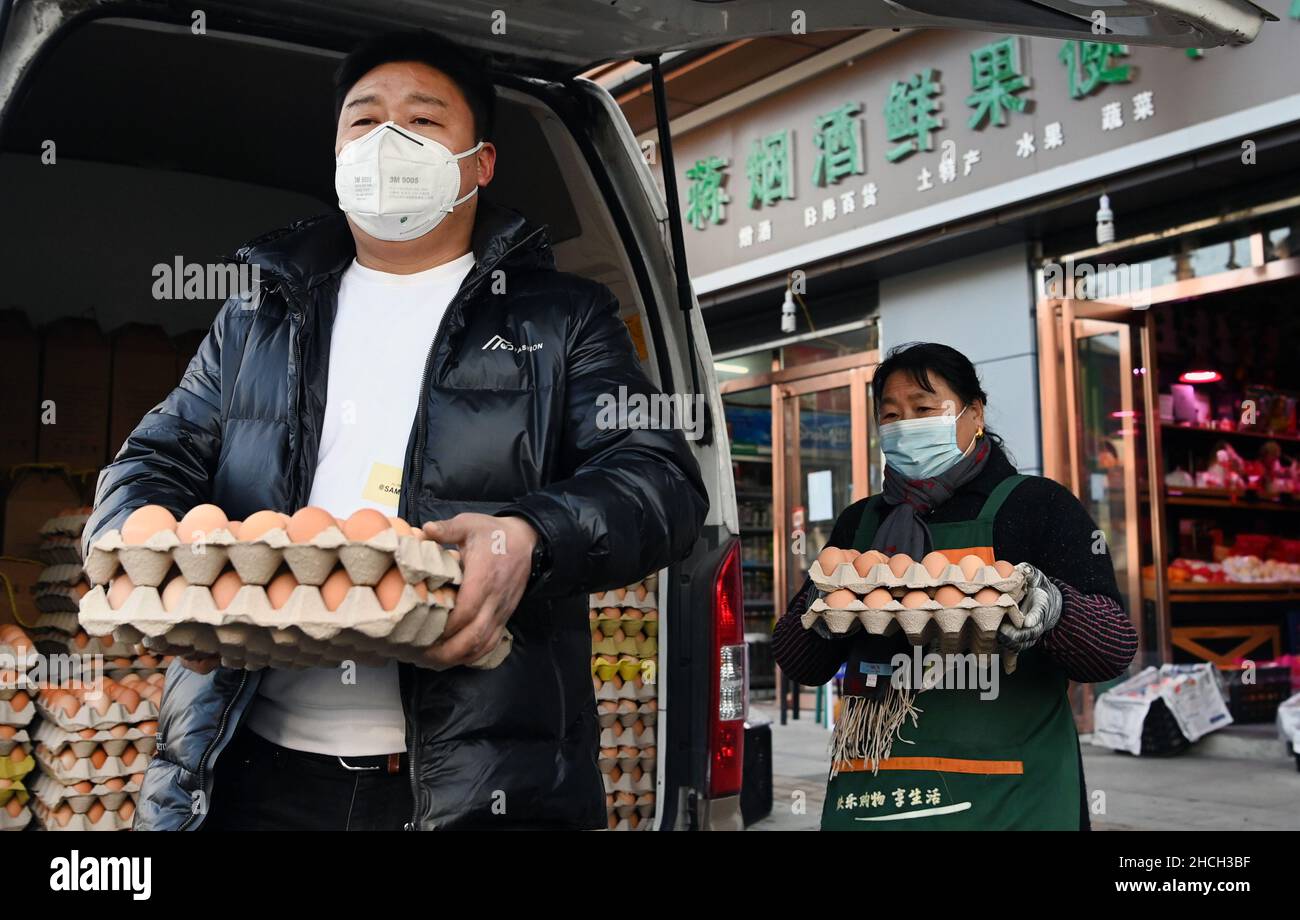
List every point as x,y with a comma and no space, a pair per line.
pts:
92,747
959,603
61,584
274,590
16,712
624,665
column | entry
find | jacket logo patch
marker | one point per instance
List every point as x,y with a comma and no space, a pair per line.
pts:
497,342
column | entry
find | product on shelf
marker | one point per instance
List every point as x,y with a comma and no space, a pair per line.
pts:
624,667
274,590
960,603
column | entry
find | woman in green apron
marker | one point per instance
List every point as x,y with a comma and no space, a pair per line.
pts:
971,747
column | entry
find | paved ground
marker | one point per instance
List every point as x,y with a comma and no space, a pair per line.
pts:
1193,791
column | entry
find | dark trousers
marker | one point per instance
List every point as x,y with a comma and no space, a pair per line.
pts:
260,786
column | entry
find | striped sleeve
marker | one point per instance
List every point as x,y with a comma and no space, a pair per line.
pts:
1094,640
803,655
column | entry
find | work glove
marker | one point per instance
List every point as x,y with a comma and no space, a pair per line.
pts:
1041,608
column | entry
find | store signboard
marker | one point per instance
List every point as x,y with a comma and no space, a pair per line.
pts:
942,125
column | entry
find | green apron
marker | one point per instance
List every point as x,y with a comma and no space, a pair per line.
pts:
1006,763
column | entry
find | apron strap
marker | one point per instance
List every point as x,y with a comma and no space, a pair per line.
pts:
869,523
999,494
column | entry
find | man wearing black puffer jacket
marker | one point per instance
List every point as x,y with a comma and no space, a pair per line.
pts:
418,354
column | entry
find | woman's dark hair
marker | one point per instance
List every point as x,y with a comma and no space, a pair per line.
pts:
920,360
424,48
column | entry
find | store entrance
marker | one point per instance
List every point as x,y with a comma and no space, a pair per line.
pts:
803,449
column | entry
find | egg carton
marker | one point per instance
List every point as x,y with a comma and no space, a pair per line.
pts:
636,597
915,577
20,738
605,668
59,549
626,712
619,735
67,525
631,620
257,561
49,623
22,657
90,717
17,763
80,796
18,822
634,780
303,633
108,821
114,740
86,645
17,715
57,599
626,804
66,573
618,689
639,646
81,768
971,627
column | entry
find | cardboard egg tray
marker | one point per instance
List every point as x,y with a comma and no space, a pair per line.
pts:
634,780
14,770
88,717
66,525
12,714
83,743
629,598
638,646
618,689
82,768
10,822
60,622
304,632
112,793
914,578
108,821
627,807
626,712
631,620
257,561
59,549
20,739
65,573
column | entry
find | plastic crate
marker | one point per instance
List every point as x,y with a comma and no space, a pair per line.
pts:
1258,701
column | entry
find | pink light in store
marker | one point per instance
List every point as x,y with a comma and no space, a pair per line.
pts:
1200,377
1123,413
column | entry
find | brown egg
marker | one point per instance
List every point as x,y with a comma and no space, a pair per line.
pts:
116,784
171,593
19,701
403,529
233,527
119,589
126,811
899,564
422,592
878,598
838,600
864,563
101,704
17,754
258,523
129,755
335,589
84,786
80,589
987,596
87,733
63,814
365,524
67,758
7,732
64,702
95,811
1004,568
14,807
830,559
148,727
144,522
971,566
81,639
200,523
129,698
949,596
307,522
280,588
389,589
935,563
915,599
120,730
225,588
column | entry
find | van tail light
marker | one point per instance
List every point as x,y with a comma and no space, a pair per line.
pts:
730,687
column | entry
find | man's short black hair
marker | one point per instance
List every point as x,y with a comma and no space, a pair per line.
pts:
425,48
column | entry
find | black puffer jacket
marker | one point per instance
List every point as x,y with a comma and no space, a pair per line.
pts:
499,431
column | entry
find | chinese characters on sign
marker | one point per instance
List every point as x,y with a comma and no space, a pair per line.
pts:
705,195
837,135
995,80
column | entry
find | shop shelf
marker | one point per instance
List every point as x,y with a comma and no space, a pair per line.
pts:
1198,429
1198,592
1225,498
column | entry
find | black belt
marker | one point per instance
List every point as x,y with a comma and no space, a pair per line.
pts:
370,763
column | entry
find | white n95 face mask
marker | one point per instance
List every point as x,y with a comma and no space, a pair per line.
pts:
397,185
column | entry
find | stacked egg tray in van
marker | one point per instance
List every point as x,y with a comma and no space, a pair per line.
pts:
16,714
274,590
93,744
624,665
959,604
61,584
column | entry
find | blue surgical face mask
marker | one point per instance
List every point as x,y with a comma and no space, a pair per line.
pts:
922,448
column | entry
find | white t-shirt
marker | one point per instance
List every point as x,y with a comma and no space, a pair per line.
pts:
381,338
